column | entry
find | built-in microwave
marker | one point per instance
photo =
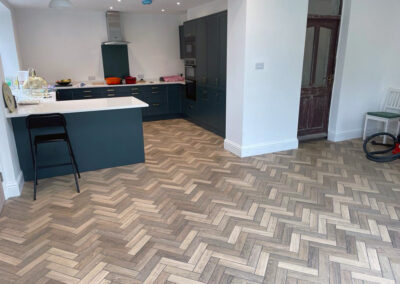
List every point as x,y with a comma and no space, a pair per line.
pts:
190,68
190,47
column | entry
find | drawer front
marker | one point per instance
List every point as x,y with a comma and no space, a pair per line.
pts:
110,92
155,97
82,94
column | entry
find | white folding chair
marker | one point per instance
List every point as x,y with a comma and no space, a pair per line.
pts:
389,115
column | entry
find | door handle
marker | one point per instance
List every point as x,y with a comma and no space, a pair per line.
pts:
329,79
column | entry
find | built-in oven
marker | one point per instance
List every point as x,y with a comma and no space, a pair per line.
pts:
190,47
190,76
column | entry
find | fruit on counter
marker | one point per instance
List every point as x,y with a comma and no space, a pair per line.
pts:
64,82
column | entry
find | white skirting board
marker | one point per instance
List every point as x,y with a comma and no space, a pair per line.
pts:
14,189
344,135
260,149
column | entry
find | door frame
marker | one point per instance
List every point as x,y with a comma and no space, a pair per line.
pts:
335,45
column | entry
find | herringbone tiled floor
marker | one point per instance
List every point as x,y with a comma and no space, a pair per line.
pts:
194,213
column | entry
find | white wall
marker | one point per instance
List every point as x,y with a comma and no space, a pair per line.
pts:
368,64
12,174
236,64
9,164
207,9
7,42
274,35
154,48
67,43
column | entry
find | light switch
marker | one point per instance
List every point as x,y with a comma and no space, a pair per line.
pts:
260,66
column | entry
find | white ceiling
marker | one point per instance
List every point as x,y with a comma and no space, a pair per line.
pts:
170,6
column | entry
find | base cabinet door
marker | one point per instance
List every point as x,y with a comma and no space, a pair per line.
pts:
220,112
175,93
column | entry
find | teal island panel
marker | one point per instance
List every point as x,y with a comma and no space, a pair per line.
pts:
100,139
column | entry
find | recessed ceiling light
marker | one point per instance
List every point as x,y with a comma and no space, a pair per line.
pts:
111,7
178,3
119,0
60,4
162,10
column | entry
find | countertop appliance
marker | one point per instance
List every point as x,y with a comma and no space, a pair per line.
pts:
190,75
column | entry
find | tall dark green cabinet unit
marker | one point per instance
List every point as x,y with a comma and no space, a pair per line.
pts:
209,109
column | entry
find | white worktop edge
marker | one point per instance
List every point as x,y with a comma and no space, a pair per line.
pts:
147,83
76,106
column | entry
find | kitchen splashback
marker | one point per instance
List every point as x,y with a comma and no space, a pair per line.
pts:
115,60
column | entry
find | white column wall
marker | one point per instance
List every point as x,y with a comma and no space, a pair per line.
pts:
274,35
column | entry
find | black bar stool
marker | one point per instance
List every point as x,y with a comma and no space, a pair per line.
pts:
49,121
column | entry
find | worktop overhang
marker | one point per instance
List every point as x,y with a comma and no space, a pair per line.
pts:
76,106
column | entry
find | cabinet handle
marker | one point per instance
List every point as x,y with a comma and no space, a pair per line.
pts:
87,91
88,96
135,94
110,90
135,89
110,95
155,105
154,88
154,92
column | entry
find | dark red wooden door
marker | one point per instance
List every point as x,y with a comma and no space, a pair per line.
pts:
318,75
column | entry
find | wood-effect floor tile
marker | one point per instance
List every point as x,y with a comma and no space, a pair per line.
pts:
195,213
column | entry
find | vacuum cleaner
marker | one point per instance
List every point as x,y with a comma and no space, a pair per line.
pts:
382,152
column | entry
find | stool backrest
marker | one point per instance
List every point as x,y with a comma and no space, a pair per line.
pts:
45,120
392,103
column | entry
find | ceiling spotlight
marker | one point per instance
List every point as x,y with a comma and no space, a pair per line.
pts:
111,7
119,0
59,4
178,3
162,10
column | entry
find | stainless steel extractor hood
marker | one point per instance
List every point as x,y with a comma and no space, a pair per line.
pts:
114,29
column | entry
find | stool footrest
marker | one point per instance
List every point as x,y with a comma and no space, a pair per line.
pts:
53,166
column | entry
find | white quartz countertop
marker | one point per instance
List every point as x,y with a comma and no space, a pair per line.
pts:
50,105
146,83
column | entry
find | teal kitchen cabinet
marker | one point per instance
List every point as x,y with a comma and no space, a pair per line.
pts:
212,51
201,52
189,29
222,49
175,95
165,101
64,95
209,110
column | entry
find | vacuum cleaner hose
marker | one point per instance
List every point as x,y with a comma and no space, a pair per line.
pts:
379,156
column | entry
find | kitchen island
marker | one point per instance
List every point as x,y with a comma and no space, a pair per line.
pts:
104,133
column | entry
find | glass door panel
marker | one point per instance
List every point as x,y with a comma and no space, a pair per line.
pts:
324,7
324,45
308,57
